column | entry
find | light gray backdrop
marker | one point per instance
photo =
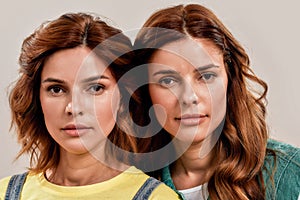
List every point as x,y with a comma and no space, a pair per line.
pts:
269,30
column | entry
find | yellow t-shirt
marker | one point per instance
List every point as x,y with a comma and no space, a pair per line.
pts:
123,186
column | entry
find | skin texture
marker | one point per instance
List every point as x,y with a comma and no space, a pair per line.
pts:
188,83
79,99
76,94
233,167
187,87
63,110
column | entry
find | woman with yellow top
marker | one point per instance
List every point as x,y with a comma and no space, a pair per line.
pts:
69,111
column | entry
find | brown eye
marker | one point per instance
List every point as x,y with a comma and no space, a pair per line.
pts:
55,90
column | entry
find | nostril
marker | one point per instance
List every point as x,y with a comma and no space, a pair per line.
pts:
69,108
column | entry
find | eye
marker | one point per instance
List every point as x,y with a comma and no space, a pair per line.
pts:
95,88
167,81
55,90
208,76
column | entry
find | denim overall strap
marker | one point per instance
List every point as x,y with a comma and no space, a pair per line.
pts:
14,187
145,191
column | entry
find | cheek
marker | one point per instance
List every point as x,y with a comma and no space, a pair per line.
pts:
163,97
218,101
50,109
106,112
164,101
165,105
52,112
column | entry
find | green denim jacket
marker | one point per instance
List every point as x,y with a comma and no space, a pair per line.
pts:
286,185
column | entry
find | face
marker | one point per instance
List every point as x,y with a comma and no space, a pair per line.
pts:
79,99
188,85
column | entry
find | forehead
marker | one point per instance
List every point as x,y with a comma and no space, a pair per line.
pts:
194,52
79,62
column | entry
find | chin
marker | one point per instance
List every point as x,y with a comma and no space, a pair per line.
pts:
76,149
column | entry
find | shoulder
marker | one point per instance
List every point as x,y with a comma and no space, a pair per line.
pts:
284,155
283,148
20,181
162,191
151,187
281,170
11,183
3,186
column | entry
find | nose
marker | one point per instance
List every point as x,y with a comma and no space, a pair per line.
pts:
72,109
73,106
189,95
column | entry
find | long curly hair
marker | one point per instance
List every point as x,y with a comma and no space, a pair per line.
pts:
241,148
68,31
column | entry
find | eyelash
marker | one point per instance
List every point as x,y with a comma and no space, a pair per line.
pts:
162,80
210,78
202,77
99,86
52,89
57,90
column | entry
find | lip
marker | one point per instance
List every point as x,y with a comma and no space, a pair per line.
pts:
76,130
191,119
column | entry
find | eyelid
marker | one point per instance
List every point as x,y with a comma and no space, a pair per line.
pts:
50,88
92,85
207,72
172,78
212,75
96,83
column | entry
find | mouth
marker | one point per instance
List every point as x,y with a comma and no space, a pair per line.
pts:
76,130
191,119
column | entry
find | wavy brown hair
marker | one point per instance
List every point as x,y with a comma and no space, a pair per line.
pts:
68,31
241,148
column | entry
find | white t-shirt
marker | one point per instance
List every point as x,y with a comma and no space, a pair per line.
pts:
196,193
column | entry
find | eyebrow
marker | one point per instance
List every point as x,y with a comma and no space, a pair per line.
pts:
93,78
165,72
90,79
202,68
53,80
205,67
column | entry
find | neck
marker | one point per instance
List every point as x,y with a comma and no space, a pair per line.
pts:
193,168
77,170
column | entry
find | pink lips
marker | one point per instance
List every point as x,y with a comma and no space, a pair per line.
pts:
76,130
191,119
